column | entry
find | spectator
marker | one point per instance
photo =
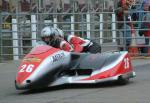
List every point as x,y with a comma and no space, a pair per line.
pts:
122,13
140,9
5,6
145,26
25,6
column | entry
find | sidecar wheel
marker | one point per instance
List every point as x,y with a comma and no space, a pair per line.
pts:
122,81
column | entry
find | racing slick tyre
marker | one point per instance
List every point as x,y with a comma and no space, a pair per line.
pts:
122,81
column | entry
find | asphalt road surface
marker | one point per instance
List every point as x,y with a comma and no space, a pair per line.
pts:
137,91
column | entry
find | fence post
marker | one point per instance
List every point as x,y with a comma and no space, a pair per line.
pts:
15,40
55,22
148,51
72,25
113,26
33,28
101,28
0,37
88,25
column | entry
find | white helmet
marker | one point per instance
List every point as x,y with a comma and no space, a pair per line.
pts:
59,32
47,31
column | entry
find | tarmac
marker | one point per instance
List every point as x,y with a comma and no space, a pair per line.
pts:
139,61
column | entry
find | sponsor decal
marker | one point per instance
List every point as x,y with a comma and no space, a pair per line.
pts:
32,59
126,63
57,57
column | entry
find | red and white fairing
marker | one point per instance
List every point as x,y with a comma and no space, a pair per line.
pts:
38,63
47,66
121,67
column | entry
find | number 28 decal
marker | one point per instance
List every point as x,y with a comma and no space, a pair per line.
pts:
126,63
27,68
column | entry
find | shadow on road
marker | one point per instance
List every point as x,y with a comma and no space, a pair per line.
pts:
72,86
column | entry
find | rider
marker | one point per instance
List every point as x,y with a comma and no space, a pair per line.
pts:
55,37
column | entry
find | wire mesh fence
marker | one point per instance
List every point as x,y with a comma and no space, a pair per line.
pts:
22,20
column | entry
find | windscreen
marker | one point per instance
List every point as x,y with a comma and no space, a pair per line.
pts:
40,49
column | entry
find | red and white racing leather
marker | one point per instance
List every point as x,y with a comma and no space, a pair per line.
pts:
64,45
78,43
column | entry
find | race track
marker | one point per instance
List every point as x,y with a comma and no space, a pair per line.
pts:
137,91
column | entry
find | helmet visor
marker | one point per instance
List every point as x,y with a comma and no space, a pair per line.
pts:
48,39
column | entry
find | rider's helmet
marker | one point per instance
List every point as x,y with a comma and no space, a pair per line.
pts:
47,33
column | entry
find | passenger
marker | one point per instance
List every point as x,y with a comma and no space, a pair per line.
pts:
55,37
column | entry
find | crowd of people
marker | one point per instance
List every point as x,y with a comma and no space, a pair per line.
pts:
145,25
127,13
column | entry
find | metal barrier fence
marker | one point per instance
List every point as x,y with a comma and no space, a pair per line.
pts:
21,29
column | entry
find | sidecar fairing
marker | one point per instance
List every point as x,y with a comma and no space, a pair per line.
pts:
95,68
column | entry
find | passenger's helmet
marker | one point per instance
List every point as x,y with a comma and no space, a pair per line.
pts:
59,32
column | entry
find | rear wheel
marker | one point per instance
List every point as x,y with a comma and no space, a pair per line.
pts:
122,80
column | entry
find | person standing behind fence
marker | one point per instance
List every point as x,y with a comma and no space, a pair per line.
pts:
145,26
122,13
